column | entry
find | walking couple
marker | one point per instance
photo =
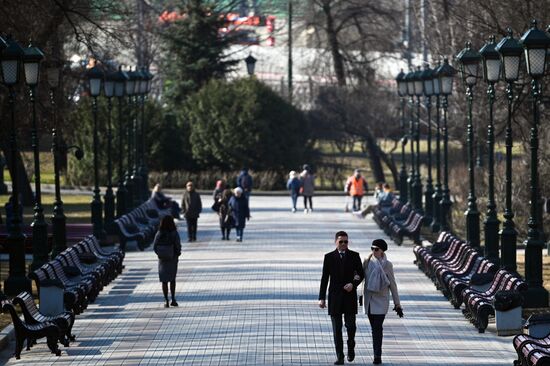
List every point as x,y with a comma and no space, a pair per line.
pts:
345,272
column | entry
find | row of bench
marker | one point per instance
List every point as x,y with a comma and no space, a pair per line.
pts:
66,285
398,221
466,277
140,225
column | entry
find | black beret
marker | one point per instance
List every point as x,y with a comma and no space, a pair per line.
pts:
380,243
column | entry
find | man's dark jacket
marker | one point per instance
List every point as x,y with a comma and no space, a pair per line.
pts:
191,204
341,272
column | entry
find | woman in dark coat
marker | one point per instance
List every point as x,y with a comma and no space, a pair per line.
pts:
238,205
226,220
167,236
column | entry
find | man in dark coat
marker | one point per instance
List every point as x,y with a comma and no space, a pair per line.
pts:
191,207
244,180
345,270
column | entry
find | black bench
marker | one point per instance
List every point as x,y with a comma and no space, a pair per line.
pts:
531,350
479,305
31,332
32,315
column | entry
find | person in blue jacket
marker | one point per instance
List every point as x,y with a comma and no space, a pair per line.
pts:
293,185
238,206
244,180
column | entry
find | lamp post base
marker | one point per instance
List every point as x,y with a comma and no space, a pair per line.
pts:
508,244
39,243
59,232
97,222
403,186
121,200
428,198
535,297
490,227
109,199
17,280
436,199
472,227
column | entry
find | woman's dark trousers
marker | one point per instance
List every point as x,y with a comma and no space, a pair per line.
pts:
349,320
310,199
376,321
191,228
225,232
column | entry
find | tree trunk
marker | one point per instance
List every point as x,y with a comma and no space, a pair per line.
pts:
27,196
332,36
374,159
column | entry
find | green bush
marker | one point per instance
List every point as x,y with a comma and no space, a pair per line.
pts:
244,123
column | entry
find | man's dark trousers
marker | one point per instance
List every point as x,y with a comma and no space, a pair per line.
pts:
191,228
349,320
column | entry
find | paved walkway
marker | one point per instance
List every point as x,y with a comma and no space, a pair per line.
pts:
255,303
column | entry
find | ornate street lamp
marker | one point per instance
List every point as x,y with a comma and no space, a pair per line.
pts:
445,74
143,85
120,78
491,74
402,92
428,84
417,183
59,231
128,183
17,281
409,78
146,89
250,64
95,78
3,186
535,43
469,67
510,51
109,197
436,197
136,177
32,58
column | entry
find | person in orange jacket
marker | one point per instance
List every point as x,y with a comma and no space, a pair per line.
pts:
356,186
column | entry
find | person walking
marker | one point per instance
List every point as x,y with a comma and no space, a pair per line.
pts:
217,194
167,246
244,180
308,187
226,220
293,185
238,207
356,186
342,268
379,281
191,207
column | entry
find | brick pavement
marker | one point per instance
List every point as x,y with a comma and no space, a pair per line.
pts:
255,303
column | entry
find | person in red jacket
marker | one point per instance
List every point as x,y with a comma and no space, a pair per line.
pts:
356,187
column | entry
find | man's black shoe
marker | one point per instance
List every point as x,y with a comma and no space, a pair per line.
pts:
377,360
351,355
351,351
339,361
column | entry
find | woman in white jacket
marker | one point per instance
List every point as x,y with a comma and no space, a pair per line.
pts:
379,281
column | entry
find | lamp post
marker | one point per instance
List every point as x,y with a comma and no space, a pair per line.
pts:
31,64
58,218
402,92
535,43
510,51
95,77
16,282
410,92
143,85
436,197
120,78
445,74
428,84
491,73
469,68
109,197
417,183
250,64
128,183
136,177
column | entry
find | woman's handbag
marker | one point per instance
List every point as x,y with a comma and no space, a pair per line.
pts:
165,252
